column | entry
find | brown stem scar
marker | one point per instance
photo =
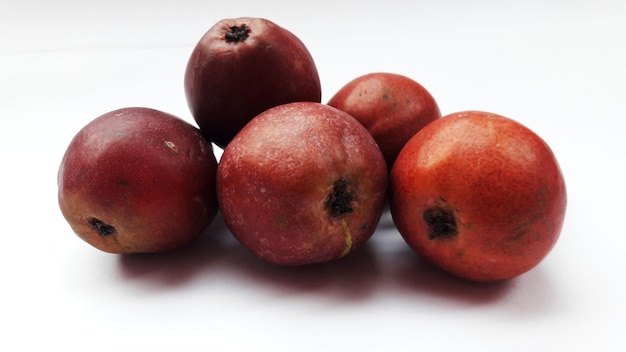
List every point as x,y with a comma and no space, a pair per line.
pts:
339,201
100,227
237,34
441,222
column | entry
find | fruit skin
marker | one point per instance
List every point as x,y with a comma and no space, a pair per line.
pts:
230,78
138,180
479,195
302,183
392,107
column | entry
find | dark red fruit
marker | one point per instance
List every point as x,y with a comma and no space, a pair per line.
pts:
242,67
302,183
138,180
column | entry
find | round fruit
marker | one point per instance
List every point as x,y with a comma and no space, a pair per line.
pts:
479,195
138,180
242,67
302,183
392,107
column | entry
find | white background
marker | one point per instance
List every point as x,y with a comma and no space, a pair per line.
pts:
559,67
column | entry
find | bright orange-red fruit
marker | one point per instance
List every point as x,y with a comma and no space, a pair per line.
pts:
479,195
392,107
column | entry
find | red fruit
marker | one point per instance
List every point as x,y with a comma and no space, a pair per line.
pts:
479,195
392,107
242,67
138,180
302,183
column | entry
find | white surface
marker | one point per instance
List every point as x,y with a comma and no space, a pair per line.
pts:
556,66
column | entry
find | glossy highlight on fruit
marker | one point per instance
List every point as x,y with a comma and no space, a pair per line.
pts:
242,67
479,195
138,180
302,183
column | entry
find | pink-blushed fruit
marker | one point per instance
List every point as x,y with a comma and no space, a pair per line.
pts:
242,67
479,195
302,183
392,107
138,180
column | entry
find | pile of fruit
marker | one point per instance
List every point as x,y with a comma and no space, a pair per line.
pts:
301,182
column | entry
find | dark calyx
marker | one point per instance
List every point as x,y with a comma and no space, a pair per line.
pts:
100,227
237,34
441,222
339,201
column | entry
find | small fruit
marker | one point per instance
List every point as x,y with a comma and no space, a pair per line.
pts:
392,107
479,195
302,183
138,180
242,67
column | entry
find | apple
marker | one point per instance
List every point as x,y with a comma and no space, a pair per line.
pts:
392,107
138,180
242,67
302,183
479,195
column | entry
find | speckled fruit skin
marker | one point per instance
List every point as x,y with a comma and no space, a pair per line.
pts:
479,195
392,107
242,67
138,180
302,183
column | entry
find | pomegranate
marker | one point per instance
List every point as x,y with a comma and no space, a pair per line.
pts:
479,195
